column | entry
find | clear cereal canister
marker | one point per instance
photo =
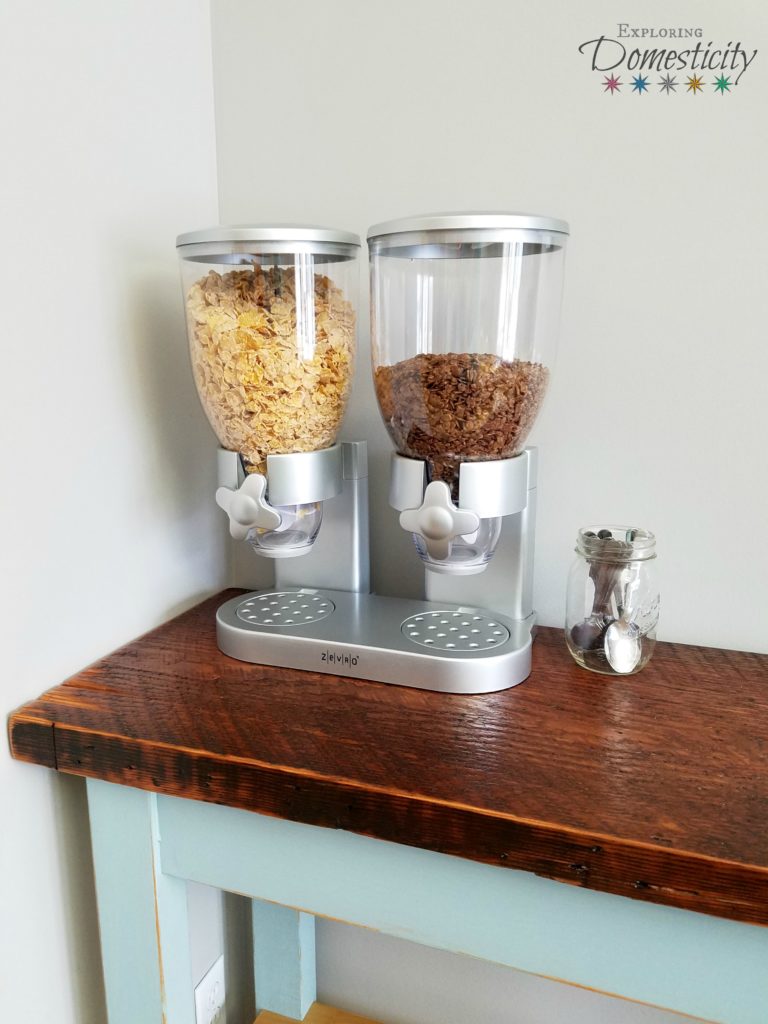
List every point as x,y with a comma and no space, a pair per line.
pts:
271,318
612,603
464,318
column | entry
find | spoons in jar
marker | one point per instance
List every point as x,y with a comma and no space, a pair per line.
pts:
623,646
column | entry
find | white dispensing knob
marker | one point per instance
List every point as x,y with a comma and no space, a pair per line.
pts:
438,520
247,508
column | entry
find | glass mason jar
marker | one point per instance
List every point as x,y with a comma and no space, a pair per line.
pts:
612,602
271,320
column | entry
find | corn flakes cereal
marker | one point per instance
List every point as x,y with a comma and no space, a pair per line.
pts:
271,381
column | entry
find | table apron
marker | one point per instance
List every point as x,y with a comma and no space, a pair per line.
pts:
694,963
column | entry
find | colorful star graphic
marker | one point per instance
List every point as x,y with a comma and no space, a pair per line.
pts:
611,84
668,84
639,84
722,85
694,84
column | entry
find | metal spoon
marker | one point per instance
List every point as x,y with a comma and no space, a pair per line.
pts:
622,645
623,638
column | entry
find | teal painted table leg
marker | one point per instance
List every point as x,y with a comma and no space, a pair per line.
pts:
283,959
142,912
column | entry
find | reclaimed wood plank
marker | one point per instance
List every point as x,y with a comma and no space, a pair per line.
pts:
653,786
32,739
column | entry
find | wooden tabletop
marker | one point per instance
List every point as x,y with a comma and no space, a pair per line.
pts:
653,786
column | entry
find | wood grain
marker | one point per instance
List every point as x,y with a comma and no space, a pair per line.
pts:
318,1014
654,786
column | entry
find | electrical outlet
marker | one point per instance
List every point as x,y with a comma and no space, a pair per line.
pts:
210,996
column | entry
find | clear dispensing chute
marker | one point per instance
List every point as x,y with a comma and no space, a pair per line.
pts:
271,318
464,318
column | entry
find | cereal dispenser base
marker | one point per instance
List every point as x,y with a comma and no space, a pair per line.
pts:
444,647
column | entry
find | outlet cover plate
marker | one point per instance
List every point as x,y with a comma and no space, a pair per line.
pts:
210,996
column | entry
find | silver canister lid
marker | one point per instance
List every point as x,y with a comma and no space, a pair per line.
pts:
468,222
241,243
306,233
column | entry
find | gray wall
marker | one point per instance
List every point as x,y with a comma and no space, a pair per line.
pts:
348,113
107,524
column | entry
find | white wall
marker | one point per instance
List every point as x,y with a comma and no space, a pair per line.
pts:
106,517
348,113
398,982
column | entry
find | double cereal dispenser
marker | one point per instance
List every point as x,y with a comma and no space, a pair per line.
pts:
464,321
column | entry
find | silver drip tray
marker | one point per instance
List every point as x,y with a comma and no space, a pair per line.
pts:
449,630
450,648
285,608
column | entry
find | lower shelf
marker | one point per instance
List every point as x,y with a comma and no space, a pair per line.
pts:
318,1014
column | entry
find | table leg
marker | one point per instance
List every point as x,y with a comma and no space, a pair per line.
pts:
142,912
283,959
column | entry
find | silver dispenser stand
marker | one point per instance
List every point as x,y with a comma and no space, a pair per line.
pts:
321,616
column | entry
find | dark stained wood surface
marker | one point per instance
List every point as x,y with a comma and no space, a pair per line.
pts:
653,786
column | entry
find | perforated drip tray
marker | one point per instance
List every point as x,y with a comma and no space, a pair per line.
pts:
285,608
449,630
393,640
